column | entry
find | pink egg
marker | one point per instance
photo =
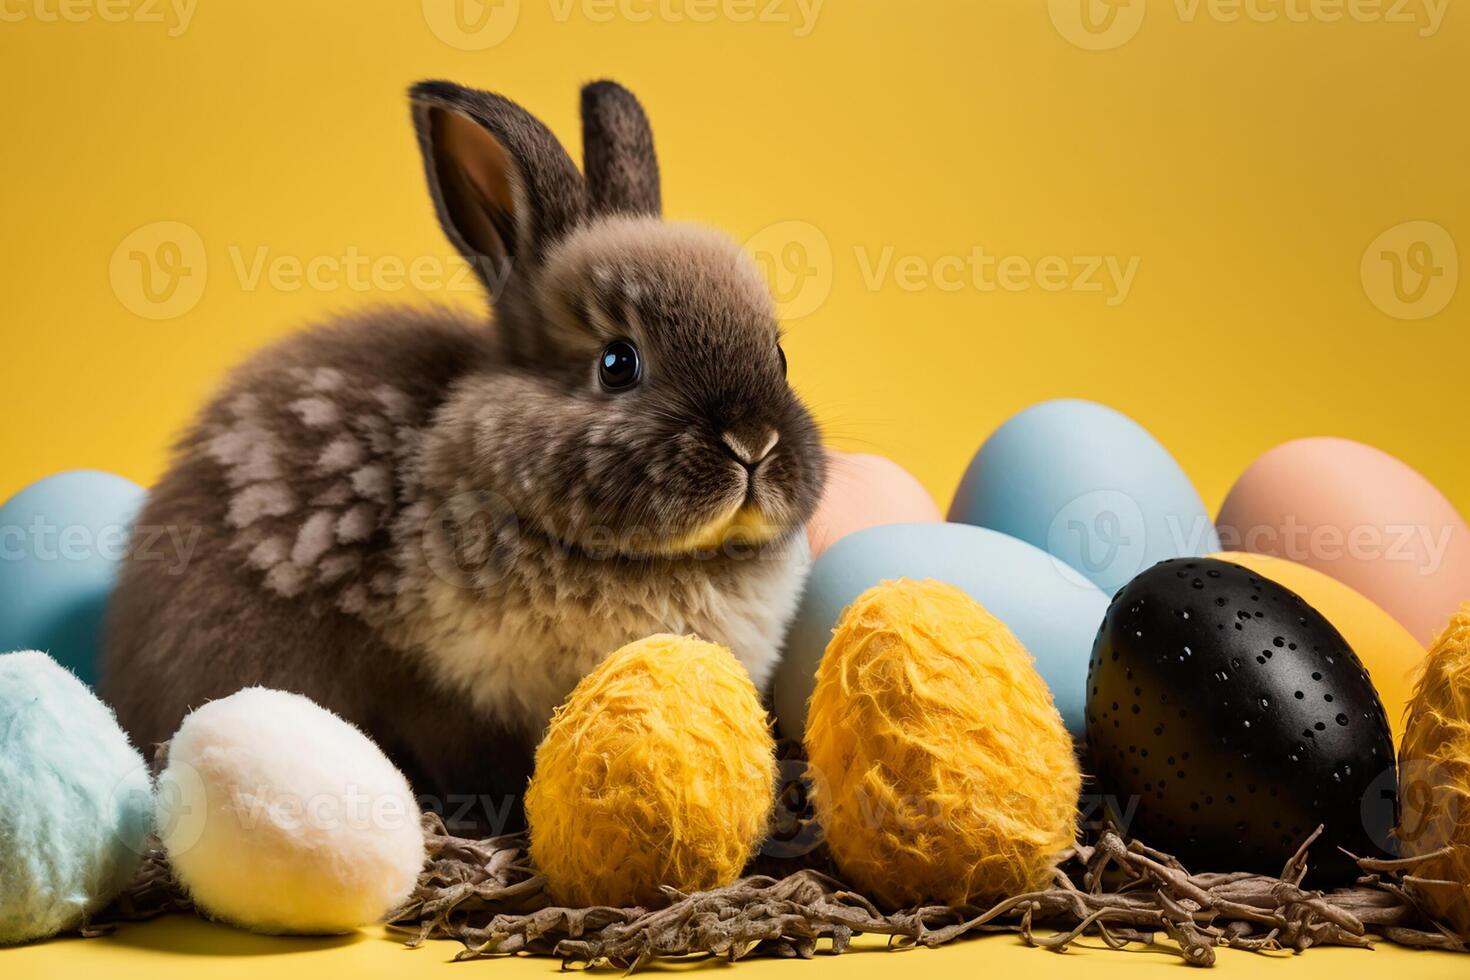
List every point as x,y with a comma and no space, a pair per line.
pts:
865,491
1361,516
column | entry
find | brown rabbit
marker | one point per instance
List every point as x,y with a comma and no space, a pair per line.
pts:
435,527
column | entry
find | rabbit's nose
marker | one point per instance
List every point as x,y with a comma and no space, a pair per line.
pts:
750,451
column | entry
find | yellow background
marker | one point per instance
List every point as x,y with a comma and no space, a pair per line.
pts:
1247,165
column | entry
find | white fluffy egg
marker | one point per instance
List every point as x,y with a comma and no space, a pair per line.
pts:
280,817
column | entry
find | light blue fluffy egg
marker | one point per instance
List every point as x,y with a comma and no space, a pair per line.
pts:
76,801
1054,611
60,541
1088,485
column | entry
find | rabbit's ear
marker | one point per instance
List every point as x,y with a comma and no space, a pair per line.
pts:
617,152
504,187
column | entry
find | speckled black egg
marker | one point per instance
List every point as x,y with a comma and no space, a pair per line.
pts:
1226,719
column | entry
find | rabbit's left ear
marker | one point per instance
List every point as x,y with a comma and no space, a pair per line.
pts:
504,187
617,152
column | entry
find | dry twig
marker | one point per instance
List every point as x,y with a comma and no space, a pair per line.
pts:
487,896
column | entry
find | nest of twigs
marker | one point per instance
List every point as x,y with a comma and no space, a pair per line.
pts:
486,895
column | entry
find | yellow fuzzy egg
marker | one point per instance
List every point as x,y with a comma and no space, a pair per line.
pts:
941,771
1434,776
658,770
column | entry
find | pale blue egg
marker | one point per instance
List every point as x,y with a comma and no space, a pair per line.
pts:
76,801
1088,485
61,539
1054,611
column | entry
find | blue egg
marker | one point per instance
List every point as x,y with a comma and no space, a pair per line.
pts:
1089,485
76,800
60,542
1054,611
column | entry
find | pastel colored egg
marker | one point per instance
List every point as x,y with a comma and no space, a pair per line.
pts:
75,801
1361,516
1392,656
280,817
1088,485
1053,610
863,491
60,541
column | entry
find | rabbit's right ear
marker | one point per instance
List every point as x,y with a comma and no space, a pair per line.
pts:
617,152
503,186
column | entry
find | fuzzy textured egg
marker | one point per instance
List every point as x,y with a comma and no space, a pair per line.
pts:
1233,719
941,770
658,770
76,802
1434,777
1391,656
280,817
864,491
1360,515
1049,605
1088,485
60,541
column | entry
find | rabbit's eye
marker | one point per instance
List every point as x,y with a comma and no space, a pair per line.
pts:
781,353
619,366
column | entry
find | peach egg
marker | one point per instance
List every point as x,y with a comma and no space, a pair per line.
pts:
866,491
1361,516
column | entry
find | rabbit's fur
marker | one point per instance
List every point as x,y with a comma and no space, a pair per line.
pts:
435,527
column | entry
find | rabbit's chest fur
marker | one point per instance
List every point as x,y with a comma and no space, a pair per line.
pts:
519,649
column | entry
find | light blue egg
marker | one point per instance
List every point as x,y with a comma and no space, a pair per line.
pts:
1088,485
1053,611
60,541
76,800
